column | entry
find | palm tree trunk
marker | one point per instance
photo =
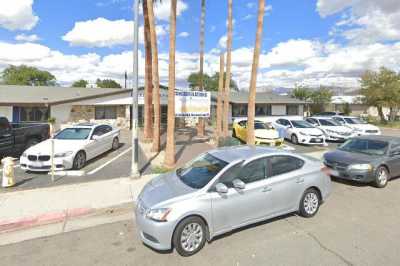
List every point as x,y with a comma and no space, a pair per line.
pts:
254,69
170,149
201,124
218,130
148,85
156,79
228,72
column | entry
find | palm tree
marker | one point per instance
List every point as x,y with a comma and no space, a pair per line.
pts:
148,85
200,126
218,131
155,76
170,148
228,71
253,79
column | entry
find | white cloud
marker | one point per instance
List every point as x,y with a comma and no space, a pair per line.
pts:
17,15
27,38
222,41
183,34
305,62
364,21
162,9
251,5
102,32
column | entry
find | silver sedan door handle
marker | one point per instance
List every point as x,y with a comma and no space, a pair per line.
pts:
300,180
266,189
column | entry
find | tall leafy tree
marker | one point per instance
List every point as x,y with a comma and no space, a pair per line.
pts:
26,75
228,71
155,76
320,99
170,147
381,89
80,83
148,84
211,83
303,94
107,83
254,69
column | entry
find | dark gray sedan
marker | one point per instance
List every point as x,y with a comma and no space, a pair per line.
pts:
368,159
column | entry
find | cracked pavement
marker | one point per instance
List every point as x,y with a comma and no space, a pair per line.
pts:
358,225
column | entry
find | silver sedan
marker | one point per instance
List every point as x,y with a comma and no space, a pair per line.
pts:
225,189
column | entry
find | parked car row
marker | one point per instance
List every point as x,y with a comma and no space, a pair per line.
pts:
314,130
232,187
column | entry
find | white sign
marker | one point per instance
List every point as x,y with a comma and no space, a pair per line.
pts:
192,103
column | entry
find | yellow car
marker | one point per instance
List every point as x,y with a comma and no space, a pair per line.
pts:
264,133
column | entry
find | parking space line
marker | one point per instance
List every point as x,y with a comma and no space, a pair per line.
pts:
107,163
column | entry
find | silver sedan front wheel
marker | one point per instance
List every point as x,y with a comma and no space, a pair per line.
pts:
190,236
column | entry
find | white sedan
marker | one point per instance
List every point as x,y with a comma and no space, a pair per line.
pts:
299,131
73,147
360,126
333,130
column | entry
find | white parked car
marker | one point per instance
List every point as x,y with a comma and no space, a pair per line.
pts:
333,130
360,126
299,131
73,147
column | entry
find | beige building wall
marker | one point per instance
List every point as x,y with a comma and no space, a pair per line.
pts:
6,111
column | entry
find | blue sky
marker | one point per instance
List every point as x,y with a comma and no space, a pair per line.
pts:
311,42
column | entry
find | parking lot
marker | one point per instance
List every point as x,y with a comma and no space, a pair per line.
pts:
117,163
357,225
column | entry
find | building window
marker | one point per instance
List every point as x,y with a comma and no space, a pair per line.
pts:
263,109
105,112
239,110
292,109
33,114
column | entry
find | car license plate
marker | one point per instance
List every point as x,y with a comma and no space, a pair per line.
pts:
318,140
334,172
36,164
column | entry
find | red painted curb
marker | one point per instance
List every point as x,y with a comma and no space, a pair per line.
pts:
42,219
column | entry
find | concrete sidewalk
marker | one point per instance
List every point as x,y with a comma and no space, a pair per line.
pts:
29,208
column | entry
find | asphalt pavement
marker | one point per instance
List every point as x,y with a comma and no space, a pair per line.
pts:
117,163
357,225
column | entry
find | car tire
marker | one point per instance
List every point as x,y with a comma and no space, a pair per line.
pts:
309,203
79,160
294,139
381,177
115,144
189,236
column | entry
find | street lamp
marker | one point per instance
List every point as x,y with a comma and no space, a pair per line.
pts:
135,141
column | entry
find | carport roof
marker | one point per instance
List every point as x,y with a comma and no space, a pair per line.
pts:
15,94
261,97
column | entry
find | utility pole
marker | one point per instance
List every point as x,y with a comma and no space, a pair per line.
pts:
135,141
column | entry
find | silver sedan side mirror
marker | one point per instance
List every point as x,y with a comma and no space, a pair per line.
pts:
221,188
239,184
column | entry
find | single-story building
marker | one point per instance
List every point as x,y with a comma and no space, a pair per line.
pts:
73,105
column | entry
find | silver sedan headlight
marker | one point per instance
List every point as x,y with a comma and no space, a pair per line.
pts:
24,155
361,167
303,133
158,215
63,154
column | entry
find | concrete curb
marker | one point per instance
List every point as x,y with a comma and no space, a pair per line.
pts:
30,208
42,219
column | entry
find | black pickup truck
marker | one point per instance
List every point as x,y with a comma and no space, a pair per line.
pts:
15,138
